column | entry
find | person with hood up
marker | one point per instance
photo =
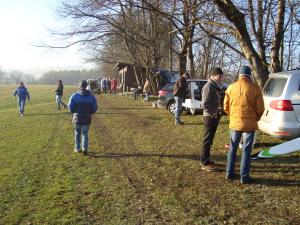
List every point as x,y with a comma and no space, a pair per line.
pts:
82,105
22,94
59,92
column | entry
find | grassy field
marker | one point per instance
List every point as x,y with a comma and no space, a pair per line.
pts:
141,169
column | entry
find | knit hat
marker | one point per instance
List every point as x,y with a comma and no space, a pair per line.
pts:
216,71
83,84
245,71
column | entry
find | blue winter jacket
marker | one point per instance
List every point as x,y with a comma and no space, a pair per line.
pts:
22,93
83,104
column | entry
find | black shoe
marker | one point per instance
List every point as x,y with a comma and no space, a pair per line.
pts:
84,152
230,177
247,181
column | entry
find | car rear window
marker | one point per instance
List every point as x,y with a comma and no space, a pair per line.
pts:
169,87
274,86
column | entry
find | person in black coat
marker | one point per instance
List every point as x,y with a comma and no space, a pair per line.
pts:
59,93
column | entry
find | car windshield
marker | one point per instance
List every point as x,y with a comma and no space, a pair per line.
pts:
274,86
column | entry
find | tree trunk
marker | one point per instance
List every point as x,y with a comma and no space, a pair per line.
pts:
275,54
258,66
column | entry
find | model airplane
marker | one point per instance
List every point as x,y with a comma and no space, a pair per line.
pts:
281,149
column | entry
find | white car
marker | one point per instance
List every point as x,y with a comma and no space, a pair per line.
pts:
281,95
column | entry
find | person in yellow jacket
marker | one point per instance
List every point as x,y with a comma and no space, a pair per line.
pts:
244,105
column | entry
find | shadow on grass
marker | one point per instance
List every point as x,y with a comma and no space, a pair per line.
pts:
217,158
277,182
141,155
279,160
220,165
48,114
265,145
127,108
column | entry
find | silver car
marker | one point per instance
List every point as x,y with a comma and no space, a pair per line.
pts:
281,94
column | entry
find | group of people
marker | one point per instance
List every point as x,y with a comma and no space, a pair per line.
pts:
109,85
82,105
244,105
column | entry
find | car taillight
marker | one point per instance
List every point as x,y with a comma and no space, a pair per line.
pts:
162,92
282,105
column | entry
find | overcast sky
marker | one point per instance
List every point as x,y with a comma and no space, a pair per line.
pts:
24,23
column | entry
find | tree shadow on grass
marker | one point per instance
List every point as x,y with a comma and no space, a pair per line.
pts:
48,114
142,155
220,165
276,182
143,108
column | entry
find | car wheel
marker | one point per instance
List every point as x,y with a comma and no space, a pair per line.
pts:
172,107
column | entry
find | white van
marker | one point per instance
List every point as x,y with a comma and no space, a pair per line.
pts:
281,94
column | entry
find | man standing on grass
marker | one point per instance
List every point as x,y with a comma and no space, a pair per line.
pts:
59,92
179,96
82,105
212,112
22,94
244,105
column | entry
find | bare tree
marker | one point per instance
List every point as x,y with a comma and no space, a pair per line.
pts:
266,28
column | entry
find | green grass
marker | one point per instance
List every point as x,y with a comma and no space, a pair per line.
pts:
141,169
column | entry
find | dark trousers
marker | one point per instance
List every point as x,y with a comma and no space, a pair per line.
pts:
210,128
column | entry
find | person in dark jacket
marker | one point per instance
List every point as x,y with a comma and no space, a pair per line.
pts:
22,94
212,112
179,96
82,105
59,92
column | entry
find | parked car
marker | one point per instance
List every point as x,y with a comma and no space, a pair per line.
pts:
93,86
281,95
193,97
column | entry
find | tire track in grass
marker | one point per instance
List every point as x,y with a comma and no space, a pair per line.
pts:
145,206
136,172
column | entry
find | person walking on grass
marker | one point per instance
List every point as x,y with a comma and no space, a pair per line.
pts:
244,105
82,105
59,92
22,94
179,96
212,112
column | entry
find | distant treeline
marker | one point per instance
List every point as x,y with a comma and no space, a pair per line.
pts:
69,77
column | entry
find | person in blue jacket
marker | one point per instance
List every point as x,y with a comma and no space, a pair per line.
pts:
82,105
22,94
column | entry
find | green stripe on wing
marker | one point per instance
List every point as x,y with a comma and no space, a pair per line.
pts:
266,153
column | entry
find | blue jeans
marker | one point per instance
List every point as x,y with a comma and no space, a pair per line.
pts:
235,137
21,106
81,129
178,108
59,101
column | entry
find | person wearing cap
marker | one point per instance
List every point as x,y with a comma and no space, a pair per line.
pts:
244,105
22,94
212,112
82,105
58,94
179,96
